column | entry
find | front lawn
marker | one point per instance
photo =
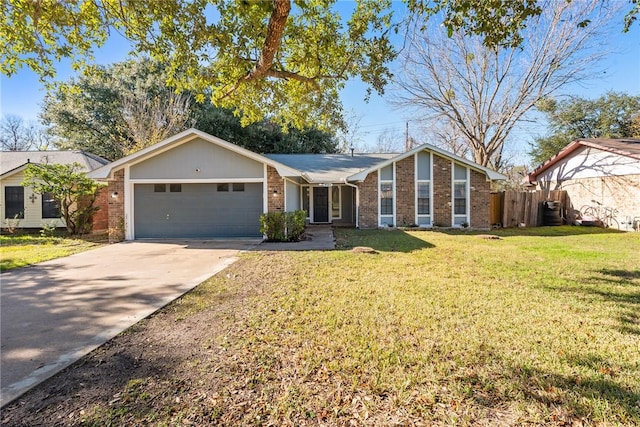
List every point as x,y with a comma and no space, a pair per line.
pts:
444,328
23,250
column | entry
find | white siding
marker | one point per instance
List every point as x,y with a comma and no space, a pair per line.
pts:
588,162
32,209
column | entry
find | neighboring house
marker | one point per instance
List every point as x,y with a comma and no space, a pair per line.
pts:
594,172
196,185
21,206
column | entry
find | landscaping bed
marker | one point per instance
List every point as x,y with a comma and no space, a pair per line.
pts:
430,328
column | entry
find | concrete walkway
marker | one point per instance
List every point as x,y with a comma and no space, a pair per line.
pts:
318,238
55,312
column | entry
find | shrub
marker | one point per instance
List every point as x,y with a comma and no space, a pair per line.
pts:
283,226
272,225
295,224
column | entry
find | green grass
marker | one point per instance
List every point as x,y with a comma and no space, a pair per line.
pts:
20,251
541,327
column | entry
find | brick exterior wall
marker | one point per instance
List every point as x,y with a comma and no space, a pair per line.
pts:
116,207
100,220
442,191
405,192
480,199
275,183
368,190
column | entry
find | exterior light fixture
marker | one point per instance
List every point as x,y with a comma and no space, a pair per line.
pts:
114,195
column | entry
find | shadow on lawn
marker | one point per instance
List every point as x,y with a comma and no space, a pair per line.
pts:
621,287
572,391
383,241
565,395
544,231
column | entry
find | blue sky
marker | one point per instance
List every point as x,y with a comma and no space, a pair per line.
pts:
22,94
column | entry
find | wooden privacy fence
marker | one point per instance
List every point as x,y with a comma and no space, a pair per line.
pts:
513,208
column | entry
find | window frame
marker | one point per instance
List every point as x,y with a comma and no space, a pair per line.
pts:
424,220
14,214
48,198
331,202
458,219
309,200
390,218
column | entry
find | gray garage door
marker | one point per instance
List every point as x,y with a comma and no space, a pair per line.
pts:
197,210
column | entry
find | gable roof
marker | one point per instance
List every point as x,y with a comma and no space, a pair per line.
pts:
181,138
314,168
330,168
11,161
491,174
627,147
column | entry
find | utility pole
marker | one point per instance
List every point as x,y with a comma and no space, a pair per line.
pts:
406,137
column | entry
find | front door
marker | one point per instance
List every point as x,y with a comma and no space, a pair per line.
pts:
320,204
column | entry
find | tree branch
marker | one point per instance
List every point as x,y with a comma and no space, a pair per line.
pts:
272,42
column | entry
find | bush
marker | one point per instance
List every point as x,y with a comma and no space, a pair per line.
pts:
272,225
295,224
283,226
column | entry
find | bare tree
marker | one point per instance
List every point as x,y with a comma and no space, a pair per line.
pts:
477,94
389,141
15,134
18,135
151,119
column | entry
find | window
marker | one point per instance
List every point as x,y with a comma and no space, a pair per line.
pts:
386,198
460,199
50,207
175,188
335,202
223,187
423,188
159,188
14,202
424,200
237,187
385,194
305,200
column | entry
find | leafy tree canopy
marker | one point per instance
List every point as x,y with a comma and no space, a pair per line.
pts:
281,60
122,108
613,115
70,187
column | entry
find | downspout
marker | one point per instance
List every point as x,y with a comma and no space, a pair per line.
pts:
357,201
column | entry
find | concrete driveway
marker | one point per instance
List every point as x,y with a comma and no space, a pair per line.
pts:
55,312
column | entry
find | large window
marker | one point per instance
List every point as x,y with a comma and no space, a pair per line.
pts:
50,207
460,199
423,188
14,202
386,198
424,199
385,188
